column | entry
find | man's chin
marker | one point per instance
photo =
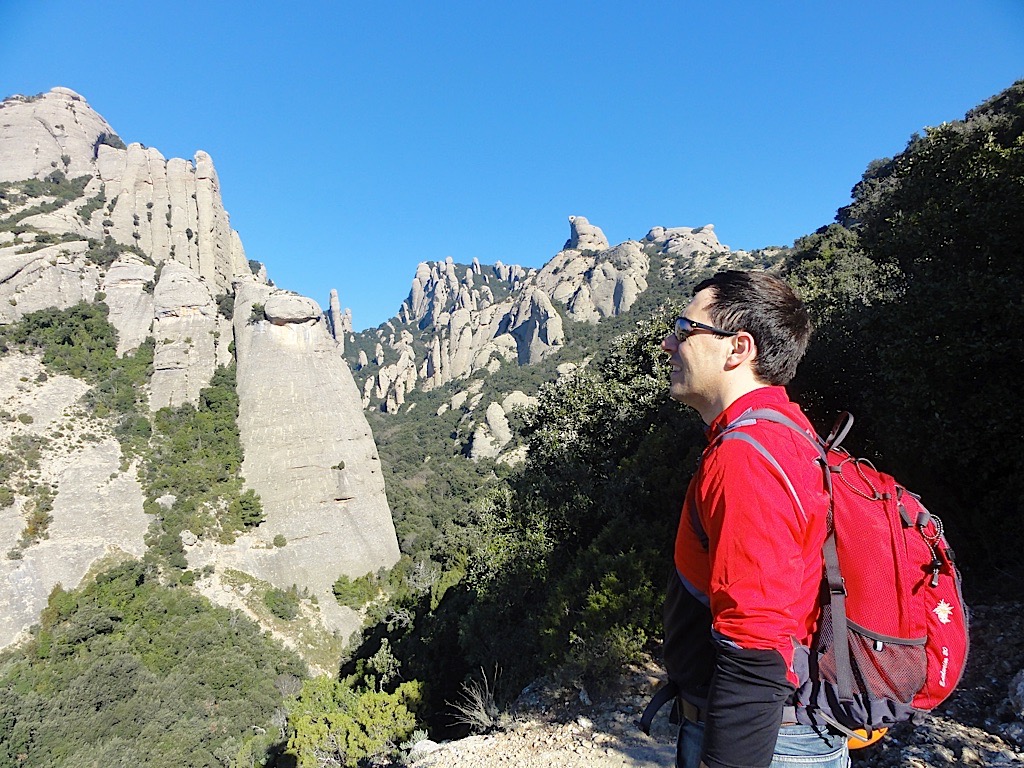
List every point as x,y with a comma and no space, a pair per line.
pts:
677,393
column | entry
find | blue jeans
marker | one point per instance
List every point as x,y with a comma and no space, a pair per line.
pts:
798,745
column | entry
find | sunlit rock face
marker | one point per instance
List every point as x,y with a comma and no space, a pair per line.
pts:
309,453
150,238
97,500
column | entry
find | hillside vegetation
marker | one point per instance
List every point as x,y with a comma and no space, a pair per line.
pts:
915,292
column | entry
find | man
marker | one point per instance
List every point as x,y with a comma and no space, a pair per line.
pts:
742,607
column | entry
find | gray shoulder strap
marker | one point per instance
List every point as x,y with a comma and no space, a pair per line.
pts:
745,437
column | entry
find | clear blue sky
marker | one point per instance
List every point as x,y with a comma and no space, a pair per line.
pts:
354,140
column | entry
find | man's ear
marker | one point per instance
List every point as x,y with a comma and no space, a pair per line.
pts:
743,350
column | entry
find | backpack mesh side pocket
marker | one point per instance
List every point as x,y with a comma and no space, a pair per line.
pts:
883,667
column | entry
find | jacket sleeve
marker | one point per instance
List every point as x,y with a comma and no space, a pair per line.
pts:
756,540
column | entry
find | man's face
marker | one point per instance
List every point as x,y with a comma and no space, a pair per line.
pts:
698,363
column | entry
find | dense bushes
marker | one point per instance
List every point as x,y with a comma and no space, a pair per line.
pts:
283,603
333,723
126,672
196,456
355,593
929,352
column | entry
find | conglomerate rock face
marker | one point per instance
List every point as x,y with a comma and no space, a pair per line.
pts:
135,214
309,454
167,208
477,317
149,236
460,320
97,504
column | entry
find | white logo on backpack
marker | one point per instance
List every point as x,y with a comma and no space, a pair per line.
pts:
943,610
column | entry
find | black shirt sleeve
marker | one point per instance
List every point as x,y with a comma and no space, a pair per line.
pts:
689,649
748,690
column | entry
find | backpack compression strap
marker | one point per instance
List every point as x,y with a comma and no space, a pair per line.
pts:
662,696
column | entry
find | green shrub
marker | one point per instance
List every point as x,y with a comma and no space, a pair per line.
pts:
247,509
332,724
355,593
111,140
123,671
282,603
38,520
92,205
196,454
226,305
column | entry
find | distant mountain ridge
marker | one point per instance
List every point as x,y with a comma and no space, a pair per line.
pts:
461,322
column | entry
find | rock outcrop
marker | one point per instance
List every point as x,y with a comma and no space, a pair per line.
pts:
493,433
88,218
167,208
596,284
185,328
461,319
690,248
309,454
135,213
584,236
476,318
38,132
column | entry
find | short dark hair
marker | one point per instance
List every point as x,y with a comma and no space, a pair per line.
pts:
767,308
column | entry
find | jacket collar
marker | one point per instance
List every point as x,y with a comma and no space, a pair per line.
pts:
762,397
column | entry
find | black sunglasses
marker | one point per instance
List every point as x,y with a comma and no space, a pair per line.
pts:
685,327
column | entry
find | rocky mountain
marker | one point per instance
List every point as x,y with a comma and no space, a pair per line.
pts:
463,322
86,218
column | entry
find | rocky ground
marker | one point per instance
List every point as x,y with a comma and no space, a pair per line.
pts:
555,726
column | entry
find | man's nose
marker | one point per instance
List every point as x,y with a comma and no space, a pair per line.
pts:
670,343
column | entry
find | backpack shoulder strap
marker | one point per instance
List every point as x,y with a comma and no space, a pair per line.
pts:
770,414
833,575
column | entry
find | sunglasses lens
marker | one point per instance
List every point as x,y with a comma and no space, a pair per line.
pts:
683,329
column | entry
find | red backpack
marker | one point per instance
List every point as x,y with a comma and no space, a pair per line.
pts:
893,597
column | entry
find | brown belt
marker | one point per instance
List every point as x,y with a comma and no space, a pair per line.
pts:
695,714
690,712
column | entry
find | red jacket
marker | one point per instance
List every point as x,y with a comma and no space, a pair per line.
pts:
748,580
